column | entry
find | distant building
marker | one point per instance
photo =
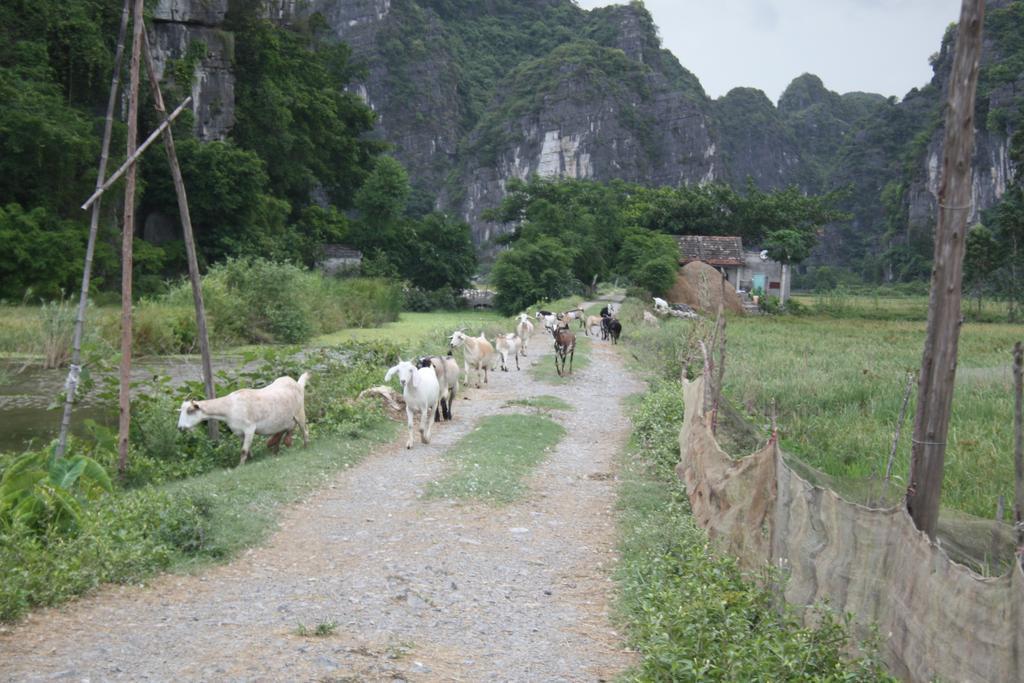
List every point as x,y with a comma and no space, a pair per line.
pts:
745,270
339,259
724,253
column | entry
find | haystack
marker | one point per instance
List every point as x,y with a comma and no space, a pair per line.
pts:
392,401
687,289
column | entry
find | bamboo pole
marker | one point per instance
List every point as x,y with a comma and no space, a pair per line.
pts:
1018,444
186,229
133,157
938,362
127,235
75,369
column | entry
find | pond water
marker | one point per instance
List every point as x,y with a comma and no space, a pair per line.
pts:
30,416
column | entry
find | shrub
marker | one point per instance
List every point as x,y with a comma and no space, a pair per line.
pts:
120,538
252,300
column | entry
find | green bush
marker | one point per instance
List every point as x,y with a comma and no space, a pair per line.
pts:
120,538
252,300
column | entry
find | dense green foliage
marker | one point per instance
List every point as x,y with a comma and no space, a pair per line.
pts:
567,234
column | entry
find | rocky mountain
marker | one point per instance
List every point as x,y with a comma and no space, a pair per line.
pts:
472,93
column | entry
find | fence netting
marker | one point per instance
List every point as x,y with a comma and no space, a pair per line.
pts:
939,619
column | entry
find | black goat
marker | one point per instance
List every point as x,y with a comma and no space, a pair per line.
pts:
611,327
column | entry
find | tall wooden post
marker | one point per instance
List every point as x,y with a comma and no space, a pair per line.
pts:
127,235
186,228
938,362
1018,443
71,384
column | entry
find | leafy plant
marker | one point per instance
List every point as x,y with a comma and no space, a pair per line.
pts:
39,491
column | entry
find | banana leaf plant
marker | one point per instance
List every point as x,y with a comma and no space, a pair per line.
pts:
41,491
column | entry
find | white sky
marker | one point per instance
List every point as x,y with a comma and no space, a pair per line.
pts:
879,46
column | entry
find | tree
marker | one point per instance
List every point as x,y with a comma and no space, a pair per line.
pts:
649,259
984,256
292,109
443,255
529,272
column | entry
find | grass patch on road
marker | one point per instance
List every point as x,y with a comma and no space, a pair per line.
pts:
490,462
544,371
541,403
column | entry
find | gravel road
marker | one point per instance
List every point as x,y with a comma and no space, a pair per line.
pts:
420,589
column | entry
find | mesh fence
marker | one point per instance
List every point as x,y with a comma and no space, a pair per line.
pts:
939,619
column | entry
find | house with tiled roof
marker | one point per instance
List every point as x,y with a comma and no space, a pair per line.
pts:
749,271
340,259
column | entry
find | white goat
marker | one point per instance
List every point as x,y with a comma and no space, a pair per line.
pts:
447,370
421,392
275,409
524,330
660,305
507,344
477,353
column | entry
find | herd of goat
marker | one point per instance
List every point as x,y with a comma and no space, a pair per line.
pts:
428,385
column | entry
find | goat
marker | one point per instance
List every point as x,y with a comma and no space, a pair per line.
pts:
565,344
651,319
660,305
524,330
575,314
611,327
421,391
275,409
477,353
591,321
549,320
447,370
507,344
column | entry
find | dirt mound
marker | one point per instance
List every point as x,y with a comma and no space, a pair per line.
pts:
687,289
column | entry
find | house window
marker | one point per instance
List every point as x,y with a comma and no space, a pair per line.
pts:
773,285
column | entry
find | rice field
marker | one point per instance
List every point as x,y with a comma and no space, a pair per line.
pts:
838,386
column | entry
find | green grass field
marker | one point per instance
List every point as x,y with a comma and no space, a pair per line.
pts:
838,384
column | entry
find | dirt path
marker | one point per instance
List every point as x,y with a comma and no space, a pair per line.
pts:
421,590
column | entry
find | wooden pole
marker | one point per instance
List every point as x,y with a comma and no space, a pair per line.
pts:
133,157
1018,443
127,235
938,362
71,384
993,551
186,228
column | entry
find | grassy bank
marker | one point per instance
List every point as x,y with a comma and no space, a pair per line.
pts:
691,614
250,301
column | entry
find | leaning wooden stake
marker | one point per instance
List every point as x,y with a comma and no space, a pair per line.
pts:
127,235
134,156
75,369
938,362
186,228
896,436
993,552
1018,445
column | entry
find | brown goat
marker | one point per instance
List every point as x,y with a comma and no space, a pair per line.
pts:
565,344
